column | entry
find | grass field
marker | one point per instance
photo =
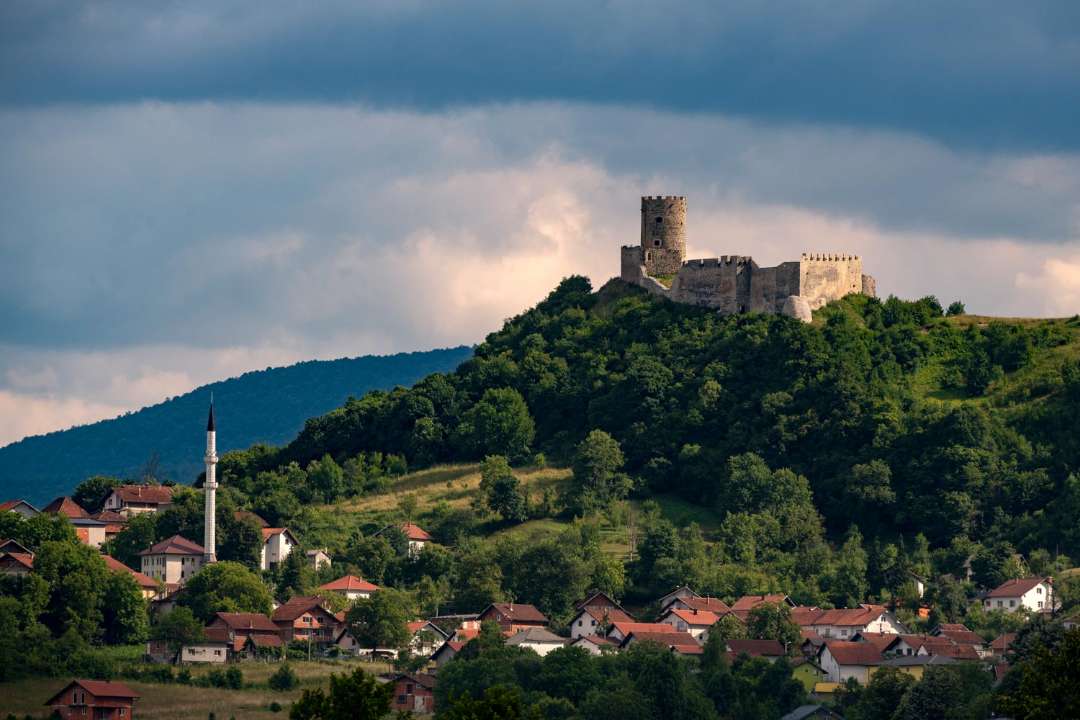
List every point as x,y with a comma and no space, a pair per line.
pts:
173,702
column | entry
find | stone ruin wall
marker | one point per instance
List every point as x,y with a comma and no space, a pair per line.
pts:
827,277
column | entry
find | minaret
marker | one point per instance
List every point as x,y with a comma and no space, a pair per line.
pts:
210,488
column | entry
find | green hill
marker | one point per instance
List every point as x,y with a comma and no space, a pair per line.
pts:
657,443
263,406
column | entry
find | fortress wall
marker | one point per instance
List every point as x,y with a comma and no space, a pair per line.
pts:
824,277
720,283
630,263
771,286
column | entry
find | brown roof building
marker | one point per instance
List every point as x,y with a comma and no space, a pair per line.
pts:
67,507
514,616
307,619
129,499
94,700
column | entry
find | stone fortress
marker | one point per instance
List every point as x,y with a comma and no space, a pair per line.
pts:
733,283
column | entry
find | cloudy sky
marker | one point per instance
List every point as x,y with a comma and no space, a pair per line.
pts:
189,190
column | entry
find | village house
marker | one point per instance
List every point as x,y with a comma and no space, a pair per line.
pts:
844,659
249,635
1035,594
446,652
768,649
213,648
148,586
961,635
318,559
90,531
131,499
594,644
539,640
16,563
680,593
912,645
621,630
67,507
1000,645
277,544
678,642
595,614
708,604
413,693
173,560
695,622
915,665
845,623
812,712
306,619
741,608
808,672
417,537
425,637
350,587
114,522
19,507
514,616
94,700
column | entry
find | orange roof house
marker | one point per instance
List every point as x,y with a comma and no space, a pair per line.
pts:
307,619
67,507
514,616
351,587
148,585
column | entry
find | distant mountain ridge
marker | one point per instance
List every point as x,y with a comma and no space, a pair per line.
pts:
268,406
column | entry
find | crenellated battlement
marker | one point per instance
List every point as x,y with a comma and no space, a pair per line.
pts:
732,283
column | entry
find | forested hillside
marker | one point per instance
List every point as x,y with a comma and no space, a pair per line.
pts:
167,439
838,457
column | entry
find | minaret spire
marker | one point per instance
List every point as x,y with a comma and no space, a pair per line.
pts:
210,488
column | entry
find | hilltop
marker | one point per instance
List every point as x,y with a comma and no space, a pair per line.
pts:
262,406
883,430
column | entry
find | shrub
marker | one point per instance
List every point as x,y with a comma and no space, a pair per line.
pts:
284,678
275,706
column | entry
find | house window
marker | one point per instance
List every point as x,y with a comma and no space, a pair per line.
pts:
218,653
659,220
122,711
1038,590
1012,603
1001,603
1040,603
408,689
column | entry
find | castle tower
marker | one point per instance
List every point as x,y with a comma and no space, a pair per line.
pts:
663,234
210,489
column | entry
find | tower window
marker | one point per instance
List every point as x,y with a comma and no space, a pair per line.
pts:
656,242
659,220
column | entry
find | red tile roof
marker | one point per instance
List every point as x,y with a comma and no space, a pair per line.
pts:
749,602
297,606
1015,588
625,628
66,506
756,648
846,652
349,583
97,688
711,604
606,614
882,641
9,504
597,598
24,559
960,634
247,621
516,612
803,615
1001,643
146,494
13,546
850,617
145,581
269,532
698,618
175,545
415,532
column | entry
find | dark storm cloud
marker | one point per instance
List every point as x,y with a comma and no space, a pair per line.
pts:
986,73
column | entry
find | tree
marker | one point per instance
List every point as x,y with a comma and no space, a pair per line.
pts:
498,424
138,534
92,492
350,697
125,620
177,628
225,587
881,696
772,621
848,585
1049,682
380,621
597,481
326,477
77,577
501,702
500,490
293,574
947,692
956,308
